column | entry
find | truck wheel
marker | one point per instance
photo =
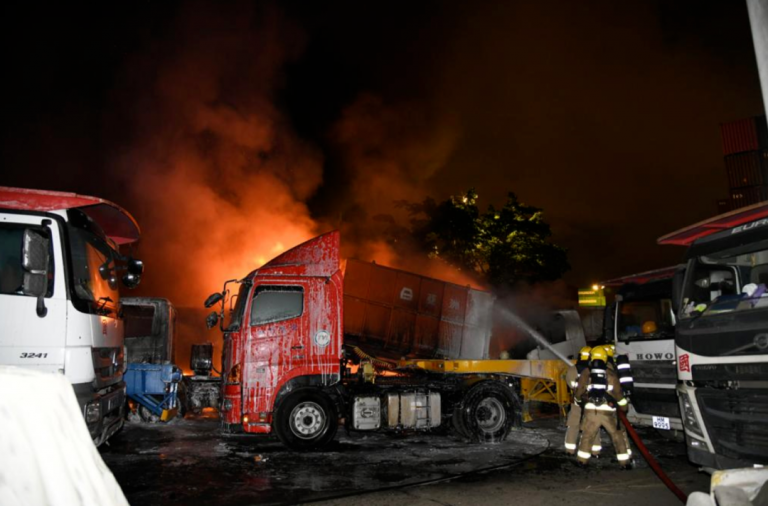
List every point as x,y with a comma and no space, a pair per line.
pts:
489,411
306,420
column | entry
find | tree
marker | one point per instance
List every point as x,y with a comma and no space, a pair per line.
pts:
502,246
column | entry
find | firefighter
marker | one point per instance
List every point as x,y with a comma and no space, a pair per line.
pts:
574,414
599,391
624,370
620,365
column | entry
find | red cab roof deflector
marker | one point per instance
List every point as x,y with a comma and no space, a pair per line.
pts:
317,257
116,222
642,277
687,235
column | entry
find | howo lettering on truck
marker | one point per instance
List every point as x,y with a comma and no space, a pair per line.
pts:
641,323
59,298
721,338
310,345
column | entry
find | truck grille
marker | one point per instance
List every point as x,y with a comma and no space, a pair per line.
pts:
656,401
108,365
737,422
654,371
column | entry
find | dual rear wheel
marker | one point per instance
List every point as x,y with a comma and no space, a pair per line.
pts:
487,412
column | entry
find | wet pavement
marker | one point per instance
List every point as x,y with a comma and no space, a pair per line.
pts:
191,461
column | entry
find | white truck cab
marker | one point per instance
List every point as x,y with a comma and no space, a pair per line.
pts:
641,323
59,298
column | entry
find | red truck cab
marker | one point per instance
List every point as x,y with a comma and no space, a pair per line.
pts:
285,340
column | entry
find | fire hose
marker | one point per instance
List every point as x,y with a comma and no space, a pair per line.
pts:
649,458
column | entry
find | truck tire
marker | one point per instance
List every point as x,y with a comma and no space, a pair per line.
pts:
457,423
489,410
306,420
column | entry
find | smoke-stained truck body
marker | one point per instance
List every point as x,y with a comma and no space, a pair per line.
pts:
721,338
641,323
59,297
300,320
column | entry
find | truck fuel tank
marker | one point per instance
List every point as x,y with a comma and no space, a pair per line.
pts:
404,410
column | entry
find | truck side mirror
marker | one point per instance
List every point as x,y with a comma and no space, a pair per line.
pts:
135,267
213,299
677,290
131,280
35,257
212,319
134,270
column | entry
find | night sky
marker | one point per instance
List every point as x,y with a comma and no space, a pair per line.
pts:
605,114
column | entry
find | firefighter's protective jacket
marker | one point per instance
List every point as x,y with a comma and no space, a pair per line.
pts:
614,396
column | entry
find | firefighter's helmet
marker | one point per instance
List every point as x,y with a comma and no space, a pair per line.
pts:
649,327
599,353
584,353
610,349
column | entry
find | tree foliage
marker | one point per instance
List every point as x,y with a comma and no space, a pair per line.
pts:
501,246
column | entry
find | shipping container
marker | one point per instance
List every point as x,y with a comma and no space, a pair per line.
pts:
748,134
739,136
393,313
747,196
744,169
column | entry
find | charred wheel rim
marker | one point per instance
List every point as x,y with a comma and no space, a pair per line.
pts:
490,415
308,420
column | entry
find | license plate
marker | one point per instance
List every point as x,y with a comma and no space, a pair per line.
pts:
661,422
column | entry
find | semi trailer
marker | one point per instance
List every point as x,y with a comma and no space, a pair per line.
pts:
641,324
310,345
60,271
721,338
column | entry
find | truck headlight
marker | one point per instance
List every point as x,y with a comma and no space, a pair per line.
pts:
93,412
690,420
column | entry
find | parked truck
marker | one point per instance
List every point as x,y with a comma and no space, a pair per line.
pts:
641,323
721,338
60,270
311,345
150,342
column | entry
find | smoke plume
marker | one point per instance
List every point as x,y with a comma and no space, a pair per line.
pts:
218,177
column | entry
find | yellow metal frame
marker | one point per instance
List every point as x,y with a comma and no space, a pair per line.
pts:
540,380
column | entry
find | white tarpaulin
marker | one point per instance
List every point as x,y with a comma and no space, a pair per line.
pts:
47,456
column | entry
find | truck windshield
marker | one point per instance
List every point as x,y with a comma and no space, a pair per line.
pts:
730,281
93,276
645,319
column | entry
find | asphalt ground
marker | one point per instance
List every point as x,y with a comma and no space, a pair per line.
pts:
191,461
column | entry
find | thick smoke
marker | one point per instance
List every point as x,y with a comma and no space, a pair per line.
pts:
216,174
220,181
390,153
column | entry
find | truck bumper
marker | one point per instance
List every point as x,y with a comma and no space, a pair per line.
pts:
711,460
104,413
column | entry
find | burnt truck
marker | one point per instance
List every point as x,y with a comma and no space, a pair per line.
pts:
311,345
641,323
150,338
721,338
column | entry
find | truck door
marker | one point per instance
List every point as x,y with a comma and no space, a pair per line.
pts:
293,331
276,343
26,339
